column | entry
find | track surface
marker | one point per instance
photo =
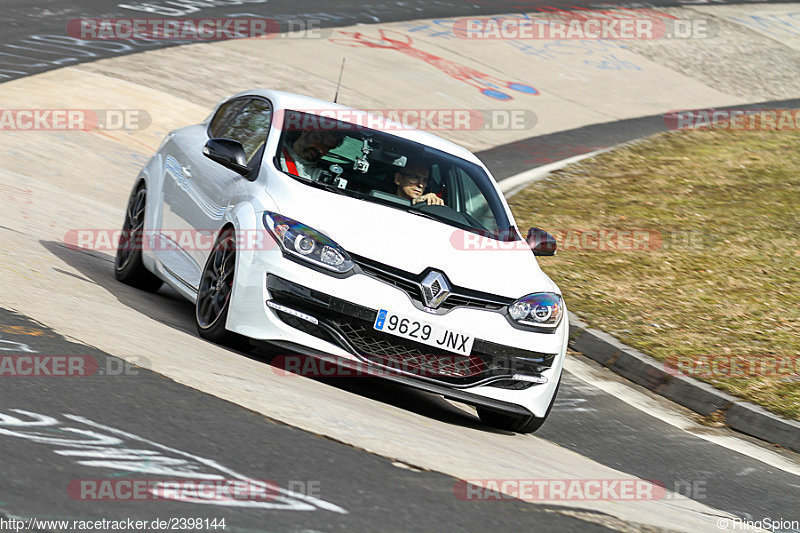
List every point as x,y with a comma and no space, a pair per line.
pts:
585,419
35,40
512,158
370,488
357,490
35,33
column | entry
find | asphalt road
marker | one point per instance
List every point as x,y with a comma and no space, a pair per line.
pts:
149,422
512,158
585,419
35,36
146,427
36,39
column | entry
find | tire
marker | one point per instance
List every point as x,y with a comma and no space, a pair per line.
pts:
128,266
516,423
214,293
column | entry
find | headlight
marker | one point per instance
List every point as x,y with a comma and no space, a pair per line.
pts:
307,243
541,309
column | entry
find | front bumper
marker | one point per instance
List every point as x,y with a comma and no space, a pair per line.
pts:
344,330
349,326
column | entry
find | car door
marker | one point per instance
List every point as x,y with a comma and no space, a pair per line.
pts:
202,190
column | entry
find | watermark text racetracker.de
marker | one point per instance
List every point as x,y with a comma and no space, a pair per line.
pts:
73,119
332,366
583,27
538,490
69,366
186,489
718,366
194,29
456,119
107,240
587,240
734,119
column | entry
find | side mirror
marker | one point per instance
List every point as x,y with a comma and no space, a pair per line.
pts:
541,242
228,153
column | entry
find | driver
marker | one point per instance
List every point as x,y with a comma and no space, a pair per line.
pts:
302,156
412,180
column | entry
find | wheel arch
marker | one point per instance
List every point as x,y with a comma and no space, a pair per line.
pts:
152,177
243,220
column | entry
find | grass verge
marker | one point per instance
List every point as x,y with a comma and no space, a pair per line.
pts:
686,246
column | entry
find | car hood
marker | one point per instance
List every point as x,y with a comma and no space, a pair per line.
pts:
413,243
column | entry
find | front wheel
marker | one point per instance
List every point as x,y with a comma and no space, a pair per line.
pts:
128,266
516,423
214,293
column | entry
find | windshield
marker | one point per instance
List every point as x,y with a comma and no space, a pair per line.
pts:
375,166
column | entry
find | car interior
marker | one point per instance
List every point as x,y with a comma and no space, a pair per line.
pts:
366,161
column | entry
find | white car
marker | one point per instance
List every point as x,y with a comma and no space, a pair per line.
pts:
333,233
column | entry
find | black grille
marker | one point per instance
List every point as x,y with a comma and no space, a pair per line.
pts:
351,327
409,283
511,384
457,300
419,359
402,283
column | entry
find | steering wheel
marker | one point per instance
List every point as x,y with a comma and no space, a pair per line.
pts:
443,212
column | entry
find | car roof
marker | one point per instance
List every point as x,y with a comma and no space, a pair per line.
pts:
298,102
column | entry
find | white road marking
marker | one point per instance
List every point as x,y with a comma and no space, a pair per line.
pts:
15,347
572,404
213,464
107,451
513,184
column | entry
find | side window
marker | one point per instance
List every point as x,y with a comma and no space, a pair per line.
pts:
248,124
223,116
474,202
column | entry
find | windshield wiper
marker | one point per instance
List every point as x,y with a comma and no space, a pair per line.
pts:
443,220
428,215
479,231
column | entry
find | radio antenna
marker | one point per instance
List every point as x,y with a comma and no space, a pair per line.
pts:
339,83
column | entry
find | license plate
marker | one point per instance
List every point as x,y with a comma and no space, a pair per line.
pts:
424,332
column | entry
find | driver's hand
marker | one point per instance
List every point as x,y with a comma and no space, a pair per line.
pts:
430,198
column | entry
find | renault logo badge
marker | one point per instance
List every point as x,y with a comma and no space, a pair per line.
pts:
434,289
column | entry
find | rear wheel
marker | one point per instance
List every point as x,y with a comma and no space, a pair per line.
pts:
516,423
128,266
214,293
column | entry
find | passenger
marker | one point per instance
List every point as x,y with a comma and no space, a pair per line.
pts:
412,181
302,156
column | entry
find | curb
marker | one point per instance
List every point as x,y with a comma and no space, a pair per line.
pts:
689,392
513,184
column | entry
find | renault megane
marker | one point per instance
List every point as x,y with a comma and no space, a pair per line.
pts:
331,232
